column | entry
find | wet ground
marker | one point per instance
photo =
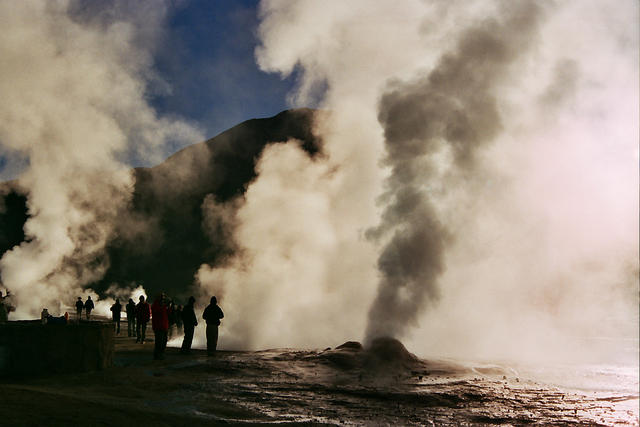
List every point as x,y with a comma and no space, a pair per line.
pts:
384,385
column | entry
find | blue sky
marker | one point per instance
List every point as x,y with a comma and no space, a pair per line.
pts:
207,58
203,68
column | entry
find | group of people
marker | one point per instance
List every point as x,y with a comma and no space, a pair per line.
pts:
164,315
87,306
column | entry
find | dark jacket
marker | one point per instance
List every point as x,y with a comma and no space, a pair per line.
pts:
189,316
178,316
79,305
88,305
143,312
115,310
131,310
212,314
172,314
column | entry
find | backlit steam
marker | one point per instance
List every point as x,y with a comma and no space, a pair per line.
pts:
508,134
73,104
433,127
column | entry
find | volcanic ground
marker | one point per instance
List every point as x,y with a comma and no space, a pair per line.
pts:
382,385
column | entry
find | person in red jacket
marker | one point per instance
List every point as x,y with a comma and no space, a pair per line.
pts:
160,322
143,314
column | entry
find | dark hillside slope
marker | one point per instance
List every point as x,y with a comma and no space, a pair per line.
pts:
160,241
13,215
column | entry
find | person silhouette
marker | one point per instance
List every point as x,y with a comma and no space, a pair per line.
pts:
172,316
4,311
212,314
131,317
88,307
116,308
143,314
79,307
160,313
190,321
178,317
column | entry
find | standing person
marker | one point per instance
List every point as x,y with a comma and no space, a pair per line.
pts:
131,317
4,311
88,306
160,322
212,314
190,322
115,313
172,318
143,314
179,319
5,306
79,307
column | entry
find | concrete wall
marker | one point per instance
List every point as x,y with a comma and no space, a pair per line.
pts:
31,348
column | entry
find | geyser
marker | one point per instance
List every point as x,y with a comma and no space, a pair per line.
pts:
434,127
389,349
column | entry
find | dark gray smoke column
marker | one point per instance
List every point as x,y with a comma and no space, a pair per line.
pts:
452,109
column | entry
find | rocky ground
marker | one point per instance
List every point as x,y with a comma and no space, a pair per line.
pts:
383,385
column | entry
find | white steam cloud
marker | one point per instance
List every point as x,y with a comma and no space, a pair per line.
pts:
74,106
279,291
540,212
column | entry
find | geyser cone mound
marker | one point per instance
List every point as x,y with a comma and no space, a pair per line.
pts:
383,353
350,345
390,350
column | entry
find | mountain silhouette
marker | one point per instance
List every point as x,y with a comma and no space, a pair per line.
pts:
160,241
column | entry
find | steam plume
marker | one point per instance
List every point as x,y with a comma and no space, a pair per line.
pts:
448,114
74,105
511,162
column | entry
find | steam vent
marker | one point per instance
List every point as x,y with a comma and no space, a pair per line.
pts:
31,348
